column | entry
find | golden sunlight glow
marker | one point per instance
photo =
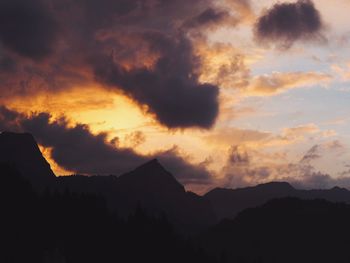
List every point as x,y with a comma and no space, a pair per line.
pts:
100,109
58,170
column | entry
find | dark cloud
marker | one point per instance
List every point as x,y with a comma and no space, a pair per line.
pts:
77,149
141,48
238,156
8,120
312,154
208,17
170,90
7,64
286,23
27,27
102,13
318,180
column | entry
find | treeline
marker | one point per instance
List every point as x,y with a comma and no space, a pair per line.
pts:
69,227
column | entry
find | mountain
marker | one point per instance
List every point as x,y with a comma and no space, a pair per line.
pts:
73,228
151,187
227,203
283,230
22,151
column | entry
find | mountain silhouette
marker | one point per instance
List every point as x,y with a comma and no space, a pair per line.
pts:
284,230
227,203
151,177
150,186
142,214
22,151
78,228
153,188
156,189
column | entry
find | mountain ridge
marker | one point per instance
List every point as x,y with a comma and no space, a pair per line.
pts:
153,187
227,203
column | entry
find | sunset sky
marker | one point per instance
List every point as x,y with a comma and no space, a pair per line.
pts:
224,93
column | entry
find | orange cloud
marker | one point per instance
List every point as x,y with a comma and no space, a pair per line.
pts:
343,71
234,136
277,82
299,134
222,64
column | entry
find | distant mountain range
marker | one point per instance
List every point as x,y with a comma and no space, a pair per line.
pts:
152,187
227,203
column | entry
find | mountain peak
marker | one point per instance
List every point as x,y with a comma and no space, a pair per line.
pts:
22,151
152,175
152,165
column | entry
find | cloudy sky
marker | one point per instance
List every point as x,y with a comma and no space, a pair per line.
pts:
224,92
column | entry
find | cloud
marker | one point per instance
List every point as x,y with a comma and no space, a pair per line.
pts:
134,139
343,71
294,133
139,48
27,28
223,65
319,180
319,150
286,23
311,155
238,156
234,136
208,18
75,148
243,8
298,134
240,170
170,90
227,13
278,82
245,167
334,145
8,119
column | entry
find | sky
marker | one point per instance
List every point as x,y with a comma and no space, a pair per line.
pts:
226,93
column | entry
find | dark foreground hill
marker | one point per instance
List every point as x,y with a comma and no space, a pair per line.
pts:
78,228
285,230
